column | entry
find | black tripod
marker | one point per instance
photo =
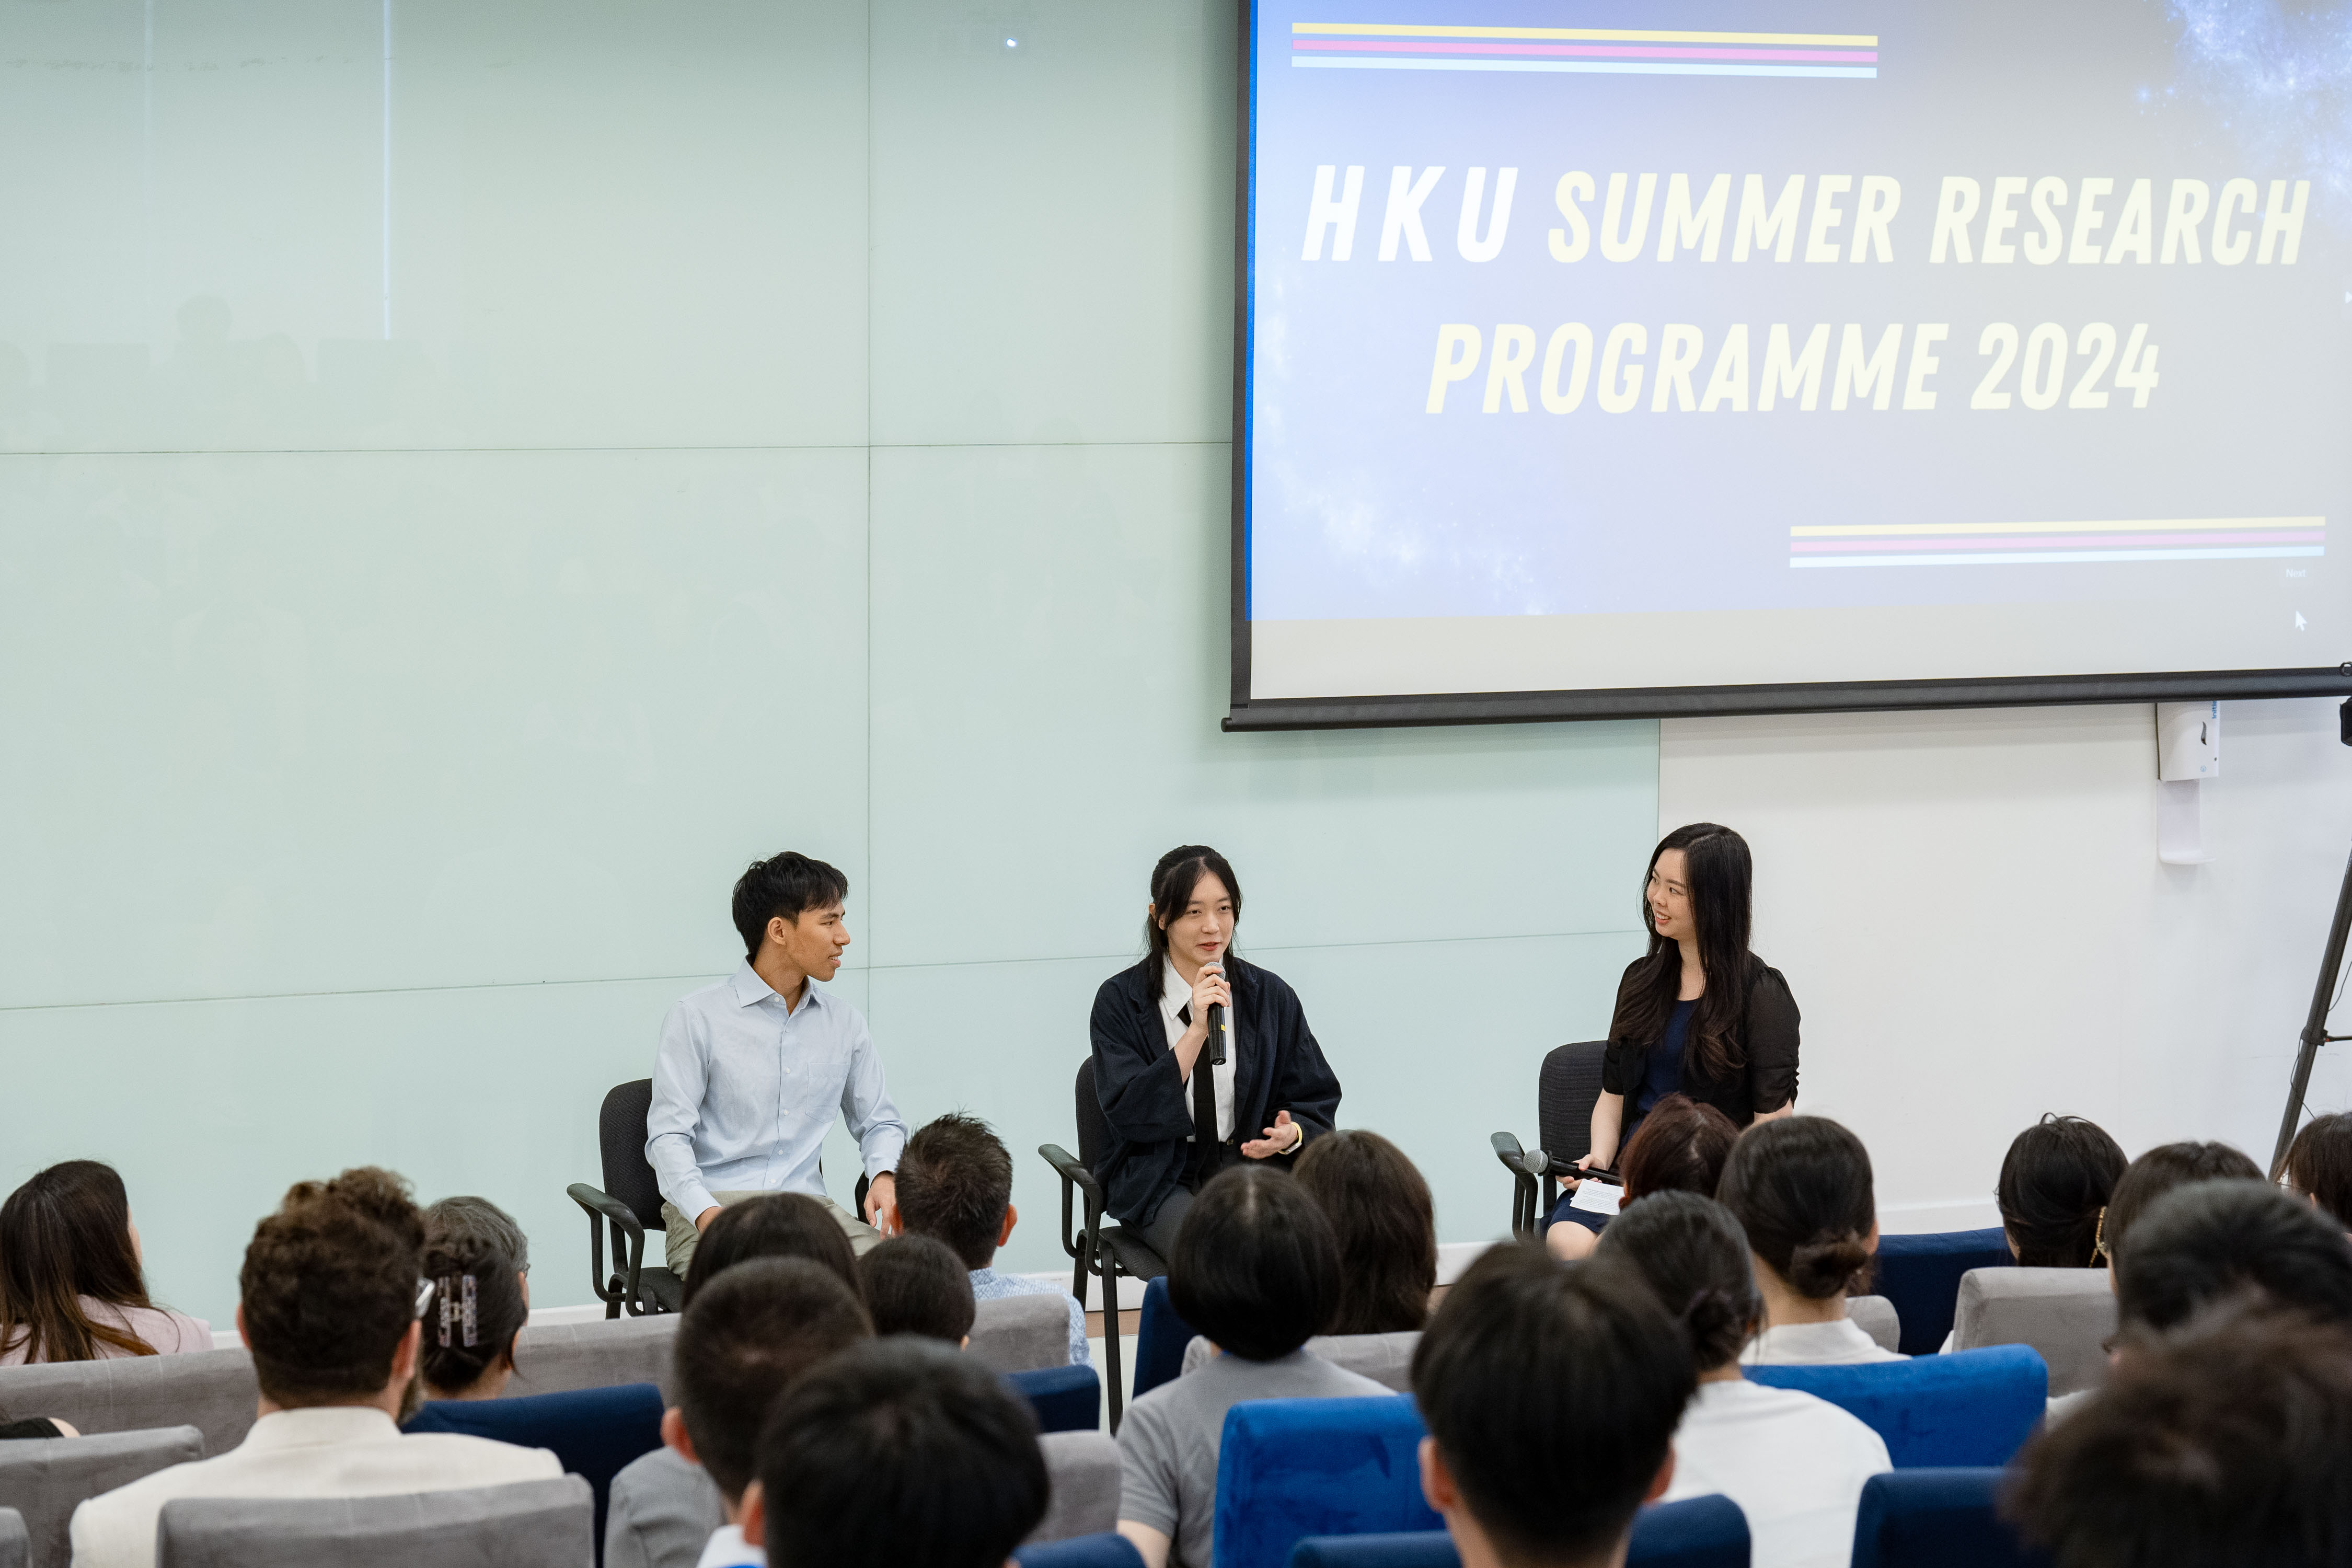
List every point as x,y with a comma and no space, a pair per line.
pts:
2323,995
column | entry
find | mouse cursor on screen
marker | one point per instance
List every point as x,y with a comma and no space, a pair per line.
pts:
2298,620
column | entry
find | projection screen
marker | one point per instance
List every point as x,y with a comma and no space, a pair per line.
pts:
1683,358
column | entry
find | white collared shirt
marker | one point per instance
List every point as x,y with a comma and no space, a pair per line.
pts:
1175,995
725,1549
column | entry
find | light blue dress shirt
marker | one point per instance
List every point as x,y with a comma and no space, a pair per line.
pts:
745,1091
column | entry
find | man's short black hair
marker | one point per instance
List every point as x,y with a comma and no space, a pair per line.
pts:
1552,1391
2228,1442
787,885
2206,1242
1256,1265
955,1182
773,1224
914,1285
748,1336
2156,1172
897,1453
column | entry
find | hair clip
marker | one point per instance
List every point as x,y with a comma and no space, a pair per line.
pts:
2099,1236
442,1289
472,1320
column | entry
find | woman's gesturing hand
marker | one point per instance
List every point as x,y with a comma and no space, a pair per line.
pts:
1280,1139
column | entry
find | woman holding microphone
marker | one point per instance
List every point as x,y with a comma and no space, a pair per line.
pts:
1182,1100
1698,1014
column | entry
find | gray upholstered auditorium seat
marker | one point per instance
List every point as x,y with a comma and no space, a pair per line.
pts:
555,1357
1084,1469
2067,1314
532,1524
1022,1333
1875,1316
45,1479
1386,1359
15,1552
212,1391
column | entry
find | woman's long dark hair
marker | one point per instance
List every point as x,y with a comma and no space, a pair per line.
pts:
1380,1209
64,1234
1173,881
1721,877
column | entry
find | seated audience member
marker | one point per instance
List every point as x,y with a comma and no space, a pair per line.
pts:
1793,1463
2229,1442
772,1225
2319,1165
754,1332
1801,1189
1680,1146
914,1285
2211,1242
328,1306
1551,1395
1380,1212
2054,1185
72,1282
481,1217
955,1184
2158,1172
895,1453
478,1306
1256,1271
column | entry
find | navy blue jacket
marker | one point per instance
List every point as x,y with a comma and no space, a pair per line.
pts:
1277,1066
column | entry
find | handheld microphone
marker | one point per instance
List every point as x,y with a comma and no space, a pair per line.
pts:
1217,1029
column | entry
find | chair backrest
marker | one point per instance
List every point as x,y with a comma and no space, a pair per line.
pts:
1161,1338
593,1431
530,1525
45,1479
1408,1549
1566,1089
1082,1470
1697,1532
1386,1359
1066,1398
1921,1274
553,1358
2067,1314
1877,1316
1971,1408
620,1136
1937,1518
1104,1551
1020,1333
15,1547
213,1390
1093,1131
1289,1469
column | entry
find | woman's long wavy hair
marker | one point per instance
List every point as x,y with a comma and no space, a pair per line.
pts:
1173,881
65,1234
1721,877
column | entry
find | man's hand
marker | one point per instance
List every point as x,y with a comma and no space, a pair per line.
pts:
702,1221
881,1194
1280,1139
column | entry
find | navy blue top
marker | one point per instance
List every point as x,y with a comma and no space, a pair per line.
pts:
1662,1074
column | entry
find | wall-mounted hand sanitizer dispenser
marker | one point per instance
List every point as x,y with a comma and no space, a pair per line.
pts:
2187,740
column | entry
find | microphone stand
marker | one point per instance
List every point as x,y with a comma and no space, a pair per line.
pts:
2323,995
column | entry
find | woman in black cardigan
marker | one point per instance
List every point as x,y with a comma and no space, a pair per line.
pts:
1273,1092
1698,1012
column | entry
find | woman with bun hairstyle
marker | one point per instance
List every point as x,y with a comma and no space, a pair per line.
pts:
1794,1464
1800,1188
2054,1185
1697,1014
1681,1147
480,1303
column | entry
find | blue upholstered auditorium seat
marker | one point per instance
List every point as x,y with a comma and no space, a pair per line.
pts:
1937,1518
1702,1532
1107,1550
1066,1398
1160,1337
1289,1469
1971,1408
1921,1274
593,1431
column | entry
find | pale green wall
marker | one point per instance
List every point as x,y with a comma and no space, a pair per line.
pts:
803,427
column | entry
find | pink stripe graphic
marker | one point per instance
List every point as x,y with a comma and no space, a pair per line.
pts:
1591,51
2052,542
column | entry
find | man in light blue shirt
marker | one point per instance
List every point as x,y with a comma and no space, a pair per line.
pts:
955,1185
751,1068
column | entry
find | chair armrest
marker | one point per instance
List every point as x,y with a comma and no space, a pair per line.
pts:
1516,1160
619,1293
1075,1178
598,1202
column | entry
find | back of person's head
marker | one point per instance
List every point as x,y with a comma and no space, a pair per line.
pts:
2319,1163
750,1335
2055,1182
64,1234
2208,1241
1386,1226
477,1310
900,1453
773,1224
783,886
2228,1443
1680,1147
1551,1392
914,1285
1255,1266
471,1216
955,1182
329,1287
1801,1189
1695,1257
2156,1172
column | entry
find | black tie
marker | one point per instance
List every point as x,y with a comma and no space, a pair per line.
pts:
1204,1101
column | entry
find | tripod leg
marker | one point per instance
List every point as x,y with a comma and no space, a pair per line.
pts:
2315,1026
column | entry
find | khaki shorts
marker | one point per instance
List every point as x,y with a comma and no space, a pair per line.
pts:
679,1239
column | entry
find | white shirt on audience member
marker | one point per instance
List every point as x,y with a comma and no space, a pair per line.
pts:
1838,1343
1174,997
726,1550
328,1451
1794,1464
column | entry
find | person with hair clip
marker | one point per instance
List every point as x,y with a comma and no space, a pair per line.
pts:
73,1284
1794,1464
1801,1189
1697,1014
1680,1148
479,1304
2055,1183
1182,1102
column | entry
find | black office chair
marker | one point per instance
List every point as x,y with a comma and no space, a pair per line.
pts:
1106,1252
1566,1090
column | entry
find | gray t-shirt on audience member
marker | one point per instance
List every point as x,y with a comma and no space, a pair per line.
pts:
1168,1444
662,1512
